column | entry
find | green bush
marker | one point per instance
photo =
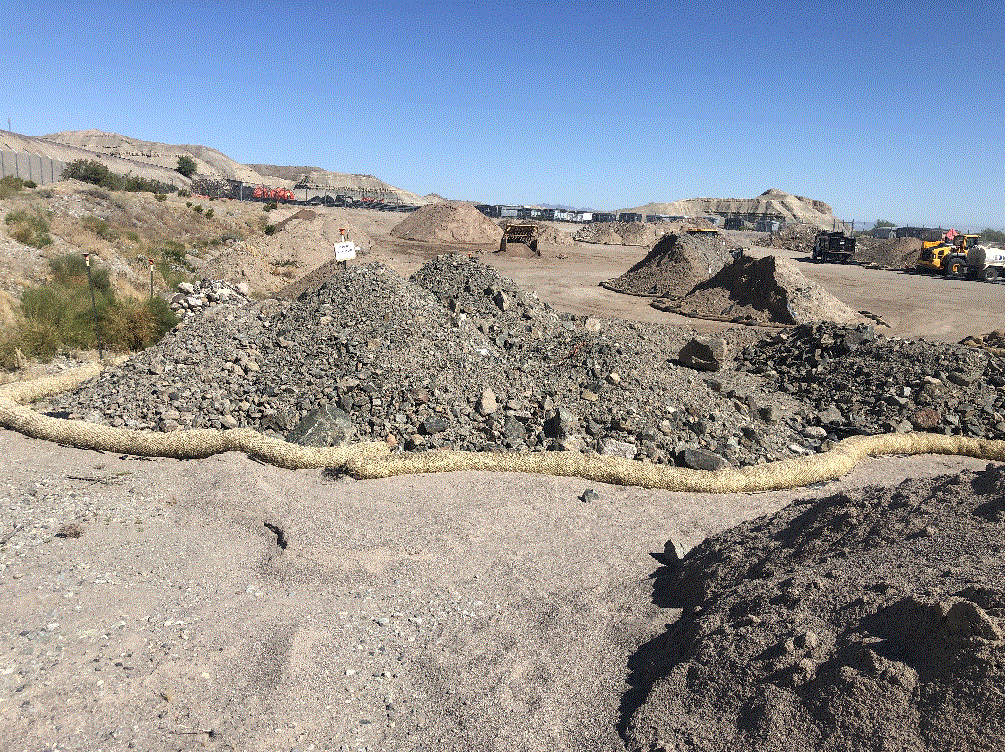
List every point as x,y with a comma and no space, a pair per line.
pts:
209,213
9,185
186,165
270,229
160,196
269,206
29,228
992,236
197,208
185,194
46,193
92,171
101,228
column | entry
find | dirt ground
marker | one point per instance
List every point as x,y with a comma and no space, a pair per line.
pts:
228,605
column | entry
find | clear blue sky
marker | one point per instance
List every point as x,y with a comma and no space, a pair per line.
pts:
882,109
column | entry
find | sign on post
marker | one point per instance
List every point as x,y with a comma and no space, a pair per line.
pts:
345,251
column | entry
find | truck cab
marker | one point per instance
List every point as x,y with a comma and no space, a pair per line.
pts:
947,256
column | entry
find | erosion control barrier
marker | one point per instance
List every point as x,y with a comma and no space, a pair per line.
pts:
376,460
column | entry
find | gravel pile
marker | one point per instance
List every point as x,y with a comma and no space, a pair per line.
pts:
861,382
473,362
448,222
768,289
892,253
863,621
675,265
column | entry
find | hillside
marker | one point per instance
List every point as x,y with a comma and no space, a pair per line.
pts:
209,162
774,203
317,176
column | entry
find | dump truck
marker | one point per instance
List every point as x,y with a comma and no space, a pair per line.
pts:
947,256
516,233
833,247
986,263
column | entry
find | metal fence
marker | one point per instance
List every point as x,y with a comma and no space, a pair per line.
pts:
34,167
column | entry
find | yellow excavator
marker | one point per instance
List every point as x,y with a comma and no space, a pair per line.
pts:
948,255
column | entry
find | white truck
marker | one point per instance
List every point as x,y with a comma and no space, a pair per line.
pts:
986,263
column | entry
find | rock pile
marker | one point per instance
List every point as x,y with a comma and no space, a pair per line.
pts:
206,293
857,381
768,289
448,222
793,237
893,253
458,357
675,265
865,620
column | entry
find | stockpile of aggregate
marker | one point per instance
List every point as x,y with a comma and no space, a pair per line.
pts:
857,381
891,253
768,289
620,233
459,357
448,222
793,237
675,265
863,621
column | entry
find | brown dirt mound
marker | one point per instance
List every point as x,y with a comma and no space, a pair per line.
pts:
620,233
448,222
863,621
674,265
548,234
794,237
895,253
764,290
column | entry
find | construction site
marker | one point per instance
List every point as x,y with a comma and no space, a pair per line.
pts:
709,474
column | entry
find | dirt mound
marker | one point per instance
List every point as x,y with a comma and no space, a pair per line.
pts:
621,233
866,617
548,233
675,265
793,237
768,289
448,222
892,253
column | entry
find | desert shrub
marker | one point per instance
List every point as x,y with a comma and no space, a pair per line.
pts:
188,204
185,194
92,171
46,193
197,208
133,236
98,193
160,196
269,206
270,229
186,165
101,228
30,184
209,213
29,228
9,185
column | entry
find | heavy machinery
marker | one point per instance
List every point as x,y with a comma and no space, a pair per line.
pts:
833,247
526,234
948,255
986,263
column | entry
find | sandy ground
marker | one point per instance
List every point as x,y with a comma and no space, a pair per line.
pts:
224,604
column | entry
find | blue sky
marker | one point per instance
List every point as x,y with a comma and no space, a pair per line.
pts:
884,109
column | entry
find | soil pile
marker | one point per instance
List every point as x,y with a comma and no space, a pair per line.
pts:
860,382
448,222
793,237
763,290
548,234
621,233
675,265
870,619
892,253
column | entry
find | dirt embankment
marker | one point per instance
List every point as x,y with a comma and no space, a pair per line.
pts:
448,222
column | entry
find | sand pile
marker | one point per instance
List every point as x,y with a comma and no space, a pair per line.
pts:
863,621
763,290
547,234
448,222
674,265
621,233
892,253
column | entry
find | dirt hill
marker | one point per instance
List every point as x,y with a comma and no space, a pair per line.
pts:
210,163
772,202
675,265
448,222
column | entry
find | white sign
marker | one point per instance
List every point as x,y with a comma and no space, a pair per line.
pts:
345,251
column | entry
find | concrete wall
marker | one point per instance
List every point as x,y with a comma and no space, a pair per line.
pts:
40,169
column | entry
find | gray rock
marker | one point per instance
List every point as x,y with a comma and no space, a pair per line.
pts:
487,402
434,424
703,354
323,427
613,448
701,459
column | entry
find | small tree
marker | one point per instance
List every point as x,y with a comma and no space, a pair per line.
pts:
883,223
186,165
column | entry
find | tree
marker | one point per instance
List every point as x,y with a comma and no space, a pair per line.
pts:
992,236
186,165
884,223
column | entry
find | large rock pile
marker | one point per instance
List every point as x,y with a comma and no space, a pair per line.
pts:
768,289
675,265
458,357
860,382
448,222
194,298
863,621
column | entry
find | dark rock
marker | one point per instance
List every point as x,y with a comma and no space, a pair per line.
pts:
323,427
